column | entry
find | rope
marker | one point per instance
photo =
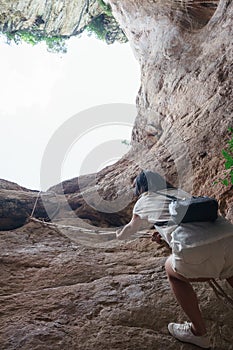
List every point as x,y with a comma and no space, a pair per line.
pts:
35,204
102,236
220,293
36,201
54,225
69,226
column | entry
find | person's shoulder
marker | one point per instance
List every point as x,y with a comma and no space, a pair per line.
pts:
178,192
147,196
143,197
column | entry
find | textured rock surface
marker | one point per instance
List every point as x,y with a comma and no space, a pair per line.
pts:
185,101
75,288
184,104
8,185
64,18
67,290
17,203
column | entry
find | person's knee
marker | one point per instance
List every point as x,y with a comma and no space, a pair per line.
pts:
168,268
172,275
168,264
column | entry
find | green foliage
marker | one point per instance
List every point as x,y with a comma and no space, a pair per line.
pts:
97,27
55,44
228,156
106,7
125,142
106,28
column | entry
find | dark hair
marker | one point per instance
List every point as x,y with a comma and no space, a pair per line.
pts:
150,181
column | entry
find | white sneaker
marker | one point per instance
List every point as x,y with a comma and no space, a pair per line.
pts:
184,333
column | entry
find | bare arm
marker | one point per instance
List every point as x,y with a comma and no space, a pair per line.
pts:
132,227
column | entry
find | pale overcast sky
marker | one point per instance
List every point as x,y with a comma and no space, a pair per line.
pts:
40,91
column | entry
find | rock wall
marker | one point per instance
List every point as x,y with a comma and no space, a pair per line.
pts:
63,18
185,104
185,101
18,203
61,290
71,286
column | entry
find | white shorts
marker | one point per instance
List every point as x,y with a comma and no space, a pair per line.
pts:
212,260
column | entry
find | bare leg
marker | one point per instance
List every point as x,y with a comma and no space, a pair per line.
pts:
230,281
186,297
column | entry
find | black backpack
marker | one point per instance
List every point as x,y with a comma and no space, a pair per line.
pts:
192,209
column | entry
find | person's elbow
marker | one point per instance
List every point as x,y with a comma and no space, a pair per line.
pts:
132,227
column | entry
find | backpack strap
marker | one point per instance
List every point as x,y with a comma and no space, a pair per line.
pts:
167,195
164,223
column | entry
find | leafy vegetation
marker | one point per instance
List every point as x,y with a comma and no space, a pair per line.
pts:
126,142
55,44
105,27
106,7
97,27
228,156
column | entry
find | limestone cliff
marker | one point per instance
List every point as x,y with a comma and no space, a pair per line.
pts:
70,285
65,18
185,105
61,289
49,20
185,101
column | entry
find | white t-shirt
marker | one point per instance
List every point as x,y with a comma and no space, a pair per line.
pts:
154,208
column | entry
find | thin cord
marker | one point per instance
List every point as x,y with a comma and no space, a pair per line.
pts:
35,204
36,201
220,293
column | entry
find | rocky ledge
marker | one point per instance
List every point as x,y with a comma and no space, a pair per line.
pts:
66,289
